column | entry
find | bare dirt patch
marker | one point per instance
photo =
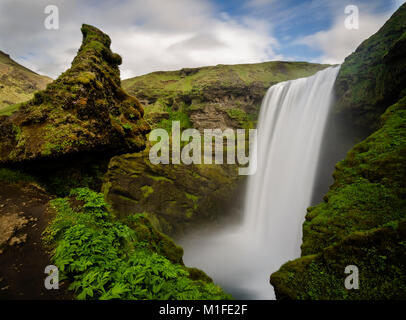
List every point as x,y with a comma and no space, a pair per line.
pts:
24,214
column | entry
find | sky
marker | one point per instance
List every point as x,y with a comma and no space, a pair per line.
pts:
153,35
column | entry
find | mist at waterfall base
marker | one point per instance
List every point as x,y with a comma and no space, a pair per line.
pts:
241,257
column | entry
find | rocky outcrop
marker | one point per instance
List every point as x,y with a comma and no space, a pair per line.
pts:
172,196
362,219
84,110
372,78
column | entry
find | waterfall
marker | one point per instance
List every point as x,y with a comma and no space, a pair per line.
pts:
290,129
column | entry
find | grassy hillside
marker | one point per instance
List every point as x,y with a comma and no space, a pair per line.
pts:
194,80
222,96
17,83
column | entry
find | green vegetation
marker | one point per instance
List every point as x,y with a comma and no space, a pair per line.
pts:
369,188
176,196
107,259
195,80
361,222
6,111
245,120
180,115
84,110
13,176
362,219
212,97
379,254
373,76
18,84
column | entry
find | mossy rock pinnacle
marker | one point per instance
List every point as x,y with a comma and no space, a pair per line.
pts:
84,110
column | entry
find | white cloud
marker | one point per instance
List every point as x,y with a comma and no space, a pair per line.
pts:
149,35
338,42
222,41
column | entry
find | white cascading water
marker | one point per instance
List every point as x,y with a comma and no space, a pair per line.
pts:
291,123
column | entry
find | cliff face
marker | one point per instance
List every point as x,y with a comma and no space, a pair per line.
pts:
372,78
85,109
177,196
17,83
362,219
222,96
173,196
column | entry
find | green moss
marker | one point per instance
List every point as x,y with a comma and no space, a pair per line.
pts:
159,178
147,190
176,199
6,111
237,114
180,115
379,255
361,222
86,77
372,77
369,187
194,198
14,176
84,110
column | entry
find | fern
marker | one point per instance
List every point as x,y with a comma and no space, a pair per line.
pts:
103,260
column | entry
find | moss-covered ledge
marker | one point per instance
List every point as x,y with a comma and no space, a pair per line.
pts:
361,222
379,254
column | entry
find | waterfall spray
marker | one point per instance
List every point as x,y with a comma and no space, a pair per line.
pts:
291,124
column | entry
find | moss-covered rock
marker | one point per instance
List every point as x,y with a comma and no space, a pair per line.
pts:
379,254
172,196
373,76
362,219
369,188
85,109
361,222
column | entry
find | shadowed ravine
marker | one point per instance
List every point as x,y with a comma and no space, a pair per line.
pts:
291,123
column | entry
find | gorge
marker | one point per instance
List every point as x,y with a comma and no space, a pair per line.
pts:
290,129
78,187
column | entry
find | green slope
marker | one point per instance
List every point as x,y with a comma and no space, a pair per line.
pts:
17,83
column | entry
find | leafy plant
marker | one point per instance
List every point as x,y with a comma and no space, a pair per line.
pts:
103,258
